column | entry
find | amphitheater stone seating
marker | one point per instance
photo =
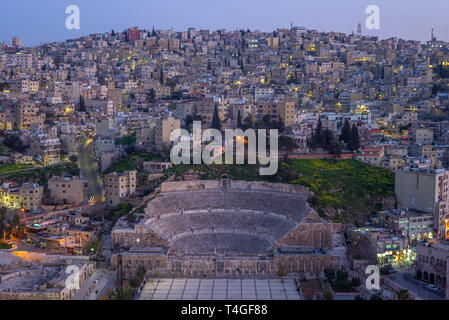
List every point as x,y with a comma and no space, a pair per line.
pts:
290,205
242,217
270,226
228,243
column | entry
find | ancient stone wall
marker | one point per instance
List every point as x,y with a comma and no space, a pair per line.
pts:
131,262
140,236
212,265
317,235
240,185
30,296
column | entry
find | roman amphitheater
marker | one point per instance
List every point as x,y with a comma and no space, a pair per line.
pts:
226,228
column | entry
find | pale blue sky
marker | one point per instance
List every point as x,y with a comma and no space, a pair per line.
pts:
39,21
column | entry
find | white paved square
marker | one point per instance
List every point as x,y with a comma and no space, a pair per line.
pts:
220,289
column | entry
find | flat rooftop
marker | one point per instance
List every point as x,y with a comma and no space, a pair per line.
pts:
220,289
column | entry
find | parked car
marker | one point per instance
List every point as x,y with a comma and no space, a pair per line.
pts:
432,288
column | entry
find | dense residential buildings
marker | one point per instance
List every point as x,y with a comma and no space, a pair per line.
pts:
86,131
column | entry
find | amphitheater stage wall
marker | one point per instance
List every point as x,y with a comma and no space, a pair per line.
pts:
131,261
229,266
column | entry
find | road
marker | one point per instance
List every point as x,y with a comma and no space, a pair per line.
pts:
108,281
86,287
107,246
407,281
89,166
47,215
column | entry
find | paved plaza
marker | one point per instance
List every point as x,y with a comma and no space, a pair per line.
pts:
220,289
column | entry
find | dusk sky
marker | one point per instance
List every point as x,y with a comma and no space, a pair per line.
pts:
42,21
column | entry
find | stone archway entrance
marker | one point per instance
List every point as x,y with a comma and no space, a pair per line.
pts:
432,278
419,275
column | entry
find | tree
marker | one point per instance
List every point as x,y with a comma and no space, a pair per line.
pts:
239,120
327,139
403,294
329,274
247,123
3,224
279,125
334,147
136,281
73,158
14,142
312,142
354,141
281,272
376,296
82,105
124,294
319,133
346,131
356,282
151,95
328,294
216,124
188,121
266,121
287,143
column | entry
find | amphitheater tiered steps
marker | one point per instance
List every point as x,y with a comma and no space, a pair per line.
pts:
225,220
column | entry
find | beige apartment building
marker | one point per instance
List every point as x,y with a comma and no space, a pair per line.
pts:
204,108
160,92
431,263
24,85
65,190
26,114
28,196
277,110
157,135
286,111
163,130
426,190
246,111
118,186
45,148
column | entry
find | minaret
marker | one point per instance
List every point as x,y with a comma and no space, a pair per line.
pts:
432,37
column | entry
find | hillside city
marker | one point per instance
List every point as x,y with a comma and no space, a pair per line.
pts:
87,182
